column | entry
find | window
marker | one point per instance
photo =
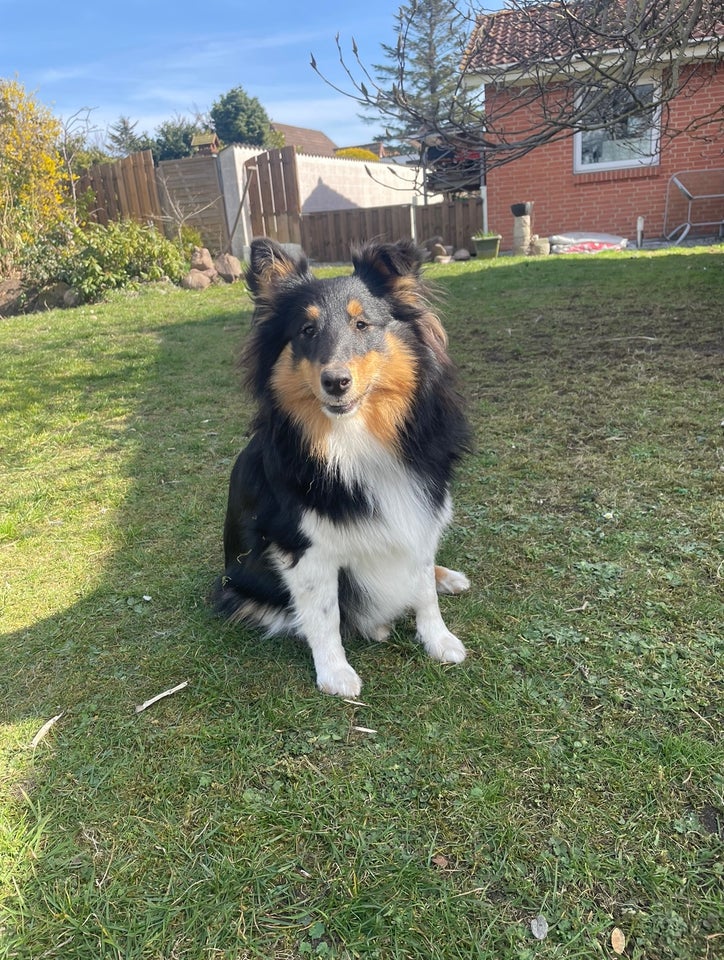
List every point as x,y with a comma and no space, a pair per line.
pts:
629,129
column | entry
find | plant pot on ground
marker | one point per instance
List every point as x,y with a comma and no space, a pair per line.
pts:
487,246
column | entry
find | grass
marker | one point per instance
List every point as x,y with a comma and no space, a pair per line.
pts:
572,768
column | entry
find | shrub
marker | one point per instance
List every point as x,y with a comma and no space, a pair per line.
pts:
189,238
98,258
32,196
357,153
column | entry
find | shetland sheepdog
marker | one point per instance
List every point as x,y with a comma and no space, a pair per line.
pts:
337,504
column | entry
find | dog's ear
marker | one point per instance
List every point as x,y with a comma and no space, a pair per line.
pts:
389,265
393,270
271,266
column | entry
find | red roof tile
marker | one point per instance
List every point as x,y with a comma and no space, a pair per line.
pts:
527,33
312,142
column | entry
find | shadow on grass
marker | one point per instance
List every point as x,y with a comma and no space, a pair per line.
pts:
117,498
226,820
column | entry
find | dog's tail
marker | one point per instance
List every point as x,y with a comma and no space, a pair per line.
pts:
240,596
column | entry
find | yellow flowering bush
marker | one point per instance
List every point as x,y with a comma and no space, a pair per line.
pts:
32,194
357,153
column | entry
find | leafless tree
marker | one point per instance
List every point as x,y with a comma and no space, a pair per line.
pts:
180,210
558,68
78,150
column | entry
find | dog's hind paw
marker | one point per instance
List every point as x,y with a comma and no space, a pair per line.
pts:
339,681
446,648
450,581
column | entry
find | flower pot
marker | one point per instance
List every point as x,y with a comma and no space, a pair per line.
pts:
521,209
487,248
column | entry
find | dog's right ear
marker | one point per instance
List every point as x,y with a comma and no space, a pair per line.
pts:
271,267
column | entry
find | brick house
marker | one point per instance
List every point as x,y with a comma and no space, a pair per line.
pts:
600,181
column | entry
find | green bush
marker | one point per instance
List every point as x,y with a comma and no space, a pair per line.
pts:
96,259
189,237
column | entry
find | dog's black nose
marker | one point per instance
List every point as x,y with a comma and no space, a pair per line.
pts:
336,381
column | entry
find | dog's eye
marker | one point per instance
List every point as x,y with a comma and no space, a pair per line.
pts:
362,324
308,330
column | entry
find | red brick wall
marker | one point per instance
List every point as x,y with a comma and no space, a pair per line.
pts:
608,202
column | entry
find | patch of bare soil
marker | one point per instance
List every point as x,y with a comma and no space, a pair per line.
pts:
12,300
16,297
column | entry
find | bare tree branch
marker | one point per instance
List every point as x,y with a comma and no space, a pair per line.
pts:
75,132
555,69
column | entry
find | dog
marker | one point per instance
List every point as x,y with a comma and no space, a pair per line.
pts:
338,502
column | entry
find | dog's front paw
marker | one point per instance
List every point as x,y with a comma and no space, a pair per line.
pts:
340,681
445,647
450,581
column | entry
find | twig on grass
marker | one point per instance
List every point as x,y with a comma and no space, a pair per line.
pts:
160,696
614,339
44,729
582,609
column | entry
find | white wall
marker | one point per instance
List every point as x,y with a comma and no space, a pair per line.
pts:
325,183
336,183
233,182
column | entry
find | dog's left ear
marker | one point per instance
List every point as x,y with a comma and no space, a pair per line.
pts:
389,265
271,266
393,270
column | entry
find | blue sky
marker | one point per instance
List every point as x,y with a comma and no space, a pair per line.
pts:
153,60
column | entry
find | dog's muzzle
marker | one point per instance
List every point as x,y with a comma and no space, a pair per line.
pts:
336,382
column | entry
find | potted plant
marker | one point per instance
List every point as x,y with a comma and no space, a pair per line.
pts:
487,245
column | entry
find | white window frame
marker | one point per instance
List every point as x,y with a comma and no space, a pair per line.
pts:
649,158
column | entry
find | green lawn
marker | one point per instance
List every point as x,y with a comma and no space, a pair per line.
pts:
572,768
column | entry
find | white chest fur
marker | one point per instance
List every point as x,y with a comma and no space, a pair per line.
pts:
386,553
389,555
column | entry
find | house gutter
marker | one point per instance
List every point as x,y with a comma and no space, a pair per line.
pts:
512,73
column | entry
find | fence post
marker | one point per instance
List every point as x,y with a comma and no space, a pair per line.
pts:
413,218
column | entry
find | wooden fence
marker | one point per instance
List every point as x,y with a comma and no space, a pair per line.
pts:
190,192
328,236
191,195
180,192
273,190
123,189
455,221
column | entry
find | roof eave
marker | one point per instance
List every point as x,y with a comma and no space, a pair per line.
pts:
514,73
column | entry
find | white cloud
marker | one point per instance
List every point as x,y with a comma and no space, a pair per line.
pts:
63,74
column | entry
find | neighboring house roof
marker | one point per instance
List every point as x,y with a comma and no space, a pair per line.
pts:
312,142
379,149
529,34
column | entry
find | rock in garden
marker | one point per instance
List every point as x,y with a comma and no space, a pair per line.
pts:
461,254
71,297
196,280
228,267
52,296
201,259
430,243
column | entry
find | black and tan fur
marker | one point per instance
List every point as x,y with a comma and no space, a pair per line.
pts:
337,504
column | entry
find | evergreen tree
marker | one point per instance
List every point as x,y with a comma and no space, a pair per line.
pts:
173,138
540,55
123,139
239,118
422,68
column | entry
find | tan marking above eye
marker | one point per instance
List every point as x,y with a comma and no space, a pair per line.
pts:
312,312
355,309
